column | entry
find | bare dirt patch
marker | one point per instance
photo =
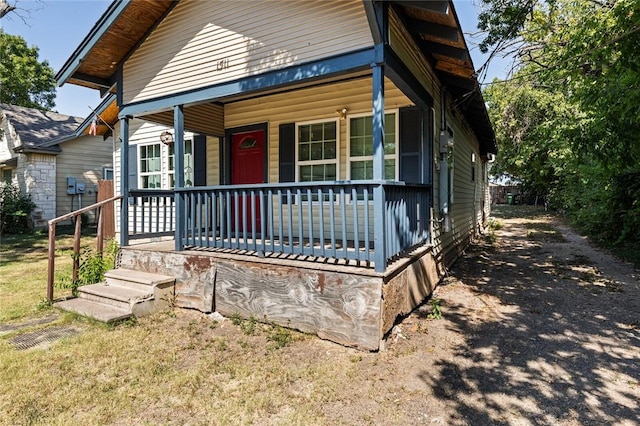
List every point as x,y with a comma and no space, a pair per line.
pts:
539,327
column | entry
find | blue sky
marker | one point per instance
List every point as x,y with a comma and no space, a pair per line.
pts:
57,27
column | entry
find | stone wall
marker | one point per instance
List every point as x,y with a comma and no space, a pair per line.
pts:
37,178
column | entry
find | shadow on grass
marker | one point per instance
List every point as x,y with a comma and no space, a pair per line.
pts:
561,350
31,247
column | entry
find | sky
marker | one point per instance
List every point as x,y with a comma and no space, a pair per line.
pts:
57,27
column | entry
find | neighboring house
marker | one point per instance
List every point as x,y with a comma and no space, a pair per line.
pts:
58,168
339,153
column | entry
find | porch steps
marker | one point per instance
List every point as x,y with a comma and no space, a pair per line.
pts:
125,293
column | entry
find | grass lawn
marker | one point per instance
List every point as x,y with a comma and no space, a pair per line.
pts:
180,366
23,270
175,367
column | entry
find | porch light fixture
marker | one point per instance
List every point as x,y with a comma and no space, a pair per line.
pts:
342,113
166,138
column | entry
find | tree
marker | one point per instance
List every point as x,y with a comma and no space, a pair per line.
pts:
567,120
24,80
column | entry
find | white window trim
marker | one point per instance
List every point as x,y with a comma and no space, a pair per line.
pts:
106,171
165,163
394,156
165,173
142,174
314,162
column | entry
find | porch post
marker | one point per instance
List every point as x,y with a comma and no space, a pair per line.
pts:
379,233
178,140
124,181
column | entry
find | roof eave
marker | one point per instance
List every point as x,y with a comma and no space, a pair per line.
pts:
99,29
106,102
54,150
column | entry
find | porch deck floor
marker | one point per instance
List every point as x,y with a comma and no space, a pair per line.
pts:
300,260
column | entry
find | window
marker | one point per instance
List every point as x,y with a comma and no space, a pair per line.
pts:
150,167
473,167
317,151
107,173
7,176
361,147
188,164
157,165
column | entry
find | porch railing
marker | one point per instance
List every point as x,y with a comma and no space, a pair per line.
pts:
76,218
320,220
152,213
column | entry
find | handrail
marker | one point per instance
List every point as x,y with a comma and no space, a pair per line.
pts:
76,239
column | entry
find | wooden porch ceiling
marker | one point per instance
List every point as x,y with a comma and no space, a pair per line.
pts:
95,62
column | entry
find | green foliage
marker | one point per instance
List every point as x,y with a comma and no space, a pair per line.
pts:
236,319
93,265
280,337
436,311
15,210
24,80
568,121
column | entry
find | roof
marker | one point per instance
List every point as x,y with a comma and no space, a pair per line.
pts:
433,24
37,128
107,114
436,29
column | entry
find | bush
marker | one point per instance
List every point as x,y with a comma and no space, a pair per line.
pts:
93,265
15,210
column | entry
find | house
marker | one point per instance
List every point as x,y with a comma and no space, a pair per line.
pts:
323,162
41,152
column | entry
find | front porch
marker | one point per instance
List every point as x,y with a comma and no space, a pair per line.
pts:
302,255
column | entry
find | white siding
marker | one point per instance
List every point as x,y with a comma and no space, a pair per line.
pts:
201,43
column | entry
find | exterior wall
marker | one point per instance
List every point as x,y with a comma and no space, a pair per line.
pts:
466,209
466,205
336,303
8,140
201,43
310,104
411,280
8,137
84,159
36,174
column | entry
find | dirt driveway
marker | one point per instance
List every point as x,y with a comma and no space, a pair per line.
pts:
538,328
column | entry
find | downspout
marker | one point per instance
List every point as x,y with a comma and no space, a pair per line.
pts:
443,181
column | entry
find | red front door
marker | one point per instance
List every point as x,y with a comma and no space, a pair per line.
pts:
247,166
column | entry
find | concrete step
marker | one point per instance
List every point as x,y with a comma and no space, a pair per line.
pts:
95,310
137,279
124,293
121,297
